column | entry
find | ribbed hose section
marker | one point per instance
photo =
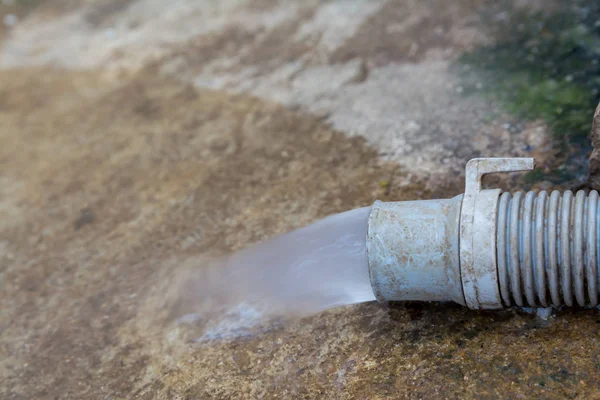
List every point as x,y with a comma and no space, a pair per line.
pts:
547,248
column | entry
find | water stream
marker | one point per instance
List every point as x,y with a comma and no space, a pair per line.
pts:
312,269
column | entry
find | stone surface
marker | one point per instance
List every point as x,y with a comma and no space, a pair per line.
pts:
137,137
378,69
594,180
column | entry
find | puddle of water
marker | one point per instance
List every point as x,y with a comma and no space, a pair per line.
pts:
307,271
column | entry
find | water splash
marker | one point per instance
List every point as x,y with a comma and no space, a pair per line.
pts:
313,269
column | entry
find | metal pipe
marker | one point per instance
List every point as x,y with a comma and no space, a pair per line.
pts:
487,249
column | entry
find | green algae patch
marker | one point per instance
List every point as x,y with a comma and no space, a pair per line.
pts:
564,106
542,66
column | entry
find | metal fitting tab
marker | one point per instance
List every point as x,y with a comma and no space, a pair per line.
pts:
478,266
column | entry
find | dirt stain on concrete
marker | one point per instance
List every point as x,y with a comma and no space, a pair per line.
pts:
170,171
409,31
154,162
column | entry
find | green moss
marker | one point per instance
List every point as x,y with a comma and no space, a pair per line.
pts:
555,175
543,67
534,176
566,107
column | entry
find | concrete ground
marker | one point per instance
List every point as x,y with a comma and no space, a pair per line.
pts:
137,135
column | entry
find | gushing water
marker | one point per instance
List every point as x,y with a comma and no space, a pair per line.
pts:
315,268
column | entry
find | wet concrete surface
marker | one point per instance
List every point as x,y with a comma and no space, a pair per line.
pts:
119,164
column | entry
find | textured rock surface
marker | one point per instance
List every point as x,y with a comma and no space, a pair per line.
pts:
371,68
187,129
594,180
